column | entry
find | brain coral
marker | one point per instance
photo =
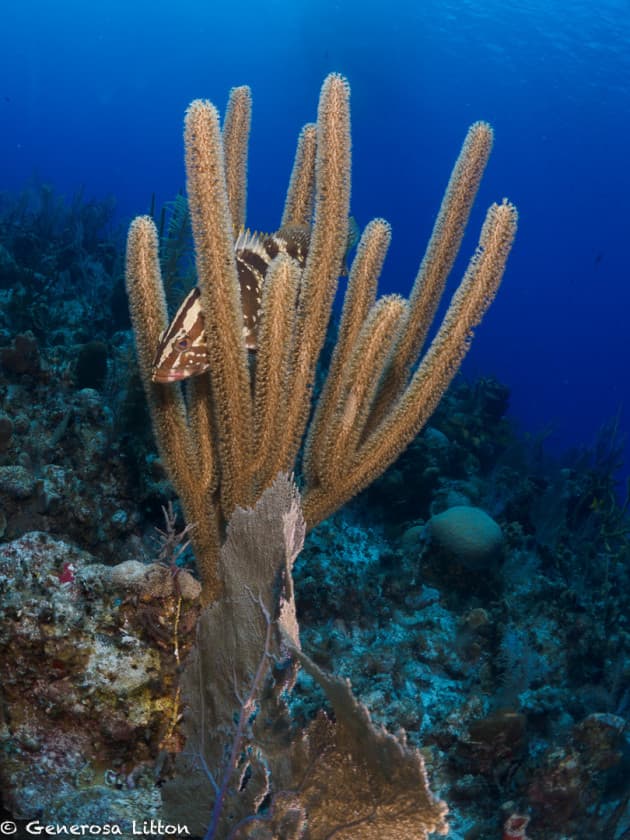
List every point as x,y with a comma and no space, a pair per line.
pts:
468,533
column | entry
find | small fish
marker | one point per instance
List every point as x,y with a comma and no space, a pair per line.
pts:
182,350
353,238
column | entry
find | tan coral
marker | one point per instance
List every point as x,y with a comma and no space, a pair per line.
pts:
243,423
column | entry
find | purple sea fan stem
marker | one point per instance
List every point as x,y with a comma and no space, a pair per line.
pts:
247,707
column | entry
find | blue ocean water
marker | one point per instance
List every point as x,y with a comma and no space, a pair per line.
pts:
94,95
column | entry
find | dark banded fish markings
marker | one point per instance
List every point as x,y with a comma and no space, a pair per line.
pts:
182,350
252,262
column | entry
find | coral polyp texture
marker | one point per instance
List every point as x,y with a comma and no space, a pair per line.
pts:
245,420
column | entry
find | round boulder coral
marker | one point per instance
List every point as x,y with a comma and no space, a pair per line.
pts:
468,533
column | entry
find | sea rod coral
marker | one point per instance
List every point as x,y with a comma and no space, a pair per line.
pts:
242,423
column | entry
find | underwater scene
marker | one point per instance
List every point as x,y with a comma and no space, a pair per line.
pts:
314,415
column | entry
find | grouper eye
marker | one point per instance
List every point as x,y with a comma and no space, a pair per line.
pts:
183,344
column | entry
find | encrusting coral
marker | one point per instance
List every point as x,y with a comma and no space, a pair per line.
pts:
90,661
241,424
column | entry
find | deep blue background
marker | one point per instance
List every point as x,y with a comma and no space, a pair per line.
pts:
94,94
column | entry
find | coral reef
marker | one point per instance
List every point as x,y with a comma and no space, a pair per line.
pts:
499,674
90,655
512,680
